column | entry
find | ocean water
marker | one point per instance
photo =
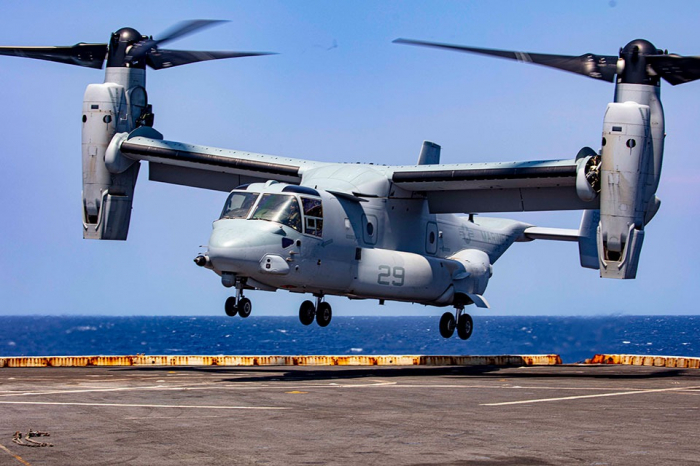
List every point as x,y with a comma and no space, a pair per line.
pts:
574,338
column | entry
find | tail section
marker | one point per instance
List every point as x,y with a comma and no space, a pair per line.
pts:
592,252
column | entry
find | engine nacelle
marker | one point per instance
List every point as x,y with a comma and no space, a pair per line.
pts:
118,105
626,175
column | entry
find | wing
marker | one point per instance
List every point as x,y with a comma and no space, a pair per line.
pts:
494,187
454,188
209,167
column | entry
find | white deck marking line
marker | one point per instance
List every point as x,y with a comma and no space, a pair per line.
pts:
174,386
133,405
203,386
18,458
515,387
580,397
332,385
360,385
218,386
91,390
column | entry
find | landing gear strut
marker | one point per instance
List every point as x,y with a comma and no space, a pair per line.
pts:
321,311
238,304
460,321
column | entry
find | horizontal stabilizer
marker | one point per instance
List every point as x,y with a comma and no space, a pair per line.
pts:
552,234
585,236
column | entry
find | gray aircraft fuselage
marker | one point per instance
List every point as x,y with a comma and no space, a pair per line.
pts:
382,243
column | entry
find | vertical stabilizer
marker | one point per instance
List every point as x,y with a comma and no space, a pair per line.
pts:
587,241
429,154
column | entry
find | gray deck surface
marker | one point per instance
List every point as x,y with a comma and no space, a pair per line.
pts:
343,415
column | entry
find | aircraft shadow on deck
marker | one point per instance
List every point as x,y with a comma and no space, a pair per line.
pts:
308,373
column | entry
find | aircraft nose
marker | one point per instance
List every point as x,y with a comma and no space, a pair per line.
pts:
238,245
222,238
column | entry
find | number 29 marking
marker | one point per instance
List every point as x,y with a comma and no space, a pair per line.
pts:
386,273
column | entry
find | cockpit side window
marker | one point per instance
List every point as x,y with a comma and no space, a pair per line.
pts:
279,208
313,213
238,204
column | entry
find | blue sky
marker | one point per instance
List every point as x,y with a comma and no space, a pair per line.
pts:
339,90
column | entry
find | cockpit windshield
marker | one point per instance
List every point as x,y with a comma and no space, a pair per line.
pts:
238,204
279,208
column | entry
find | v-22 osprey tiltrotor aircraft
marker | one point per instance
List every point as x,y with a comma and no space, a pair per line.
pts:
370,231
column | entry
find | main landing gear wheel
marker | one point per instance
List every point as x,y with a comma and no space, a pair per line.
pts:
465,326
238,304
244,307
447,325
230,307
323,314
307,312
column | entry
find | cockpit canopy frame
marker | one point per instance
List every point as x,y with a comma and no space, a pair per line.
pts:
284,208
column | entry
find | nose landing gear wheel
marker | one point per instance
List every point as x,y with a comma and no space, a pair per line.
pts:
324,314
230,307
244,307
307,312
447,325
465,326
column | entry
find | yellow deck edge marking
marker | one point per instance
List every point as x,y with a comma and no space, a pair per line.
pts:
312,360
683,362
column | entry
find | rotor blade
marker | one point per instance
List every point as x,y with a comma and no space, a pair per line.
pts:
89,55
601,67
168,58
675,69
181,29
185,28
